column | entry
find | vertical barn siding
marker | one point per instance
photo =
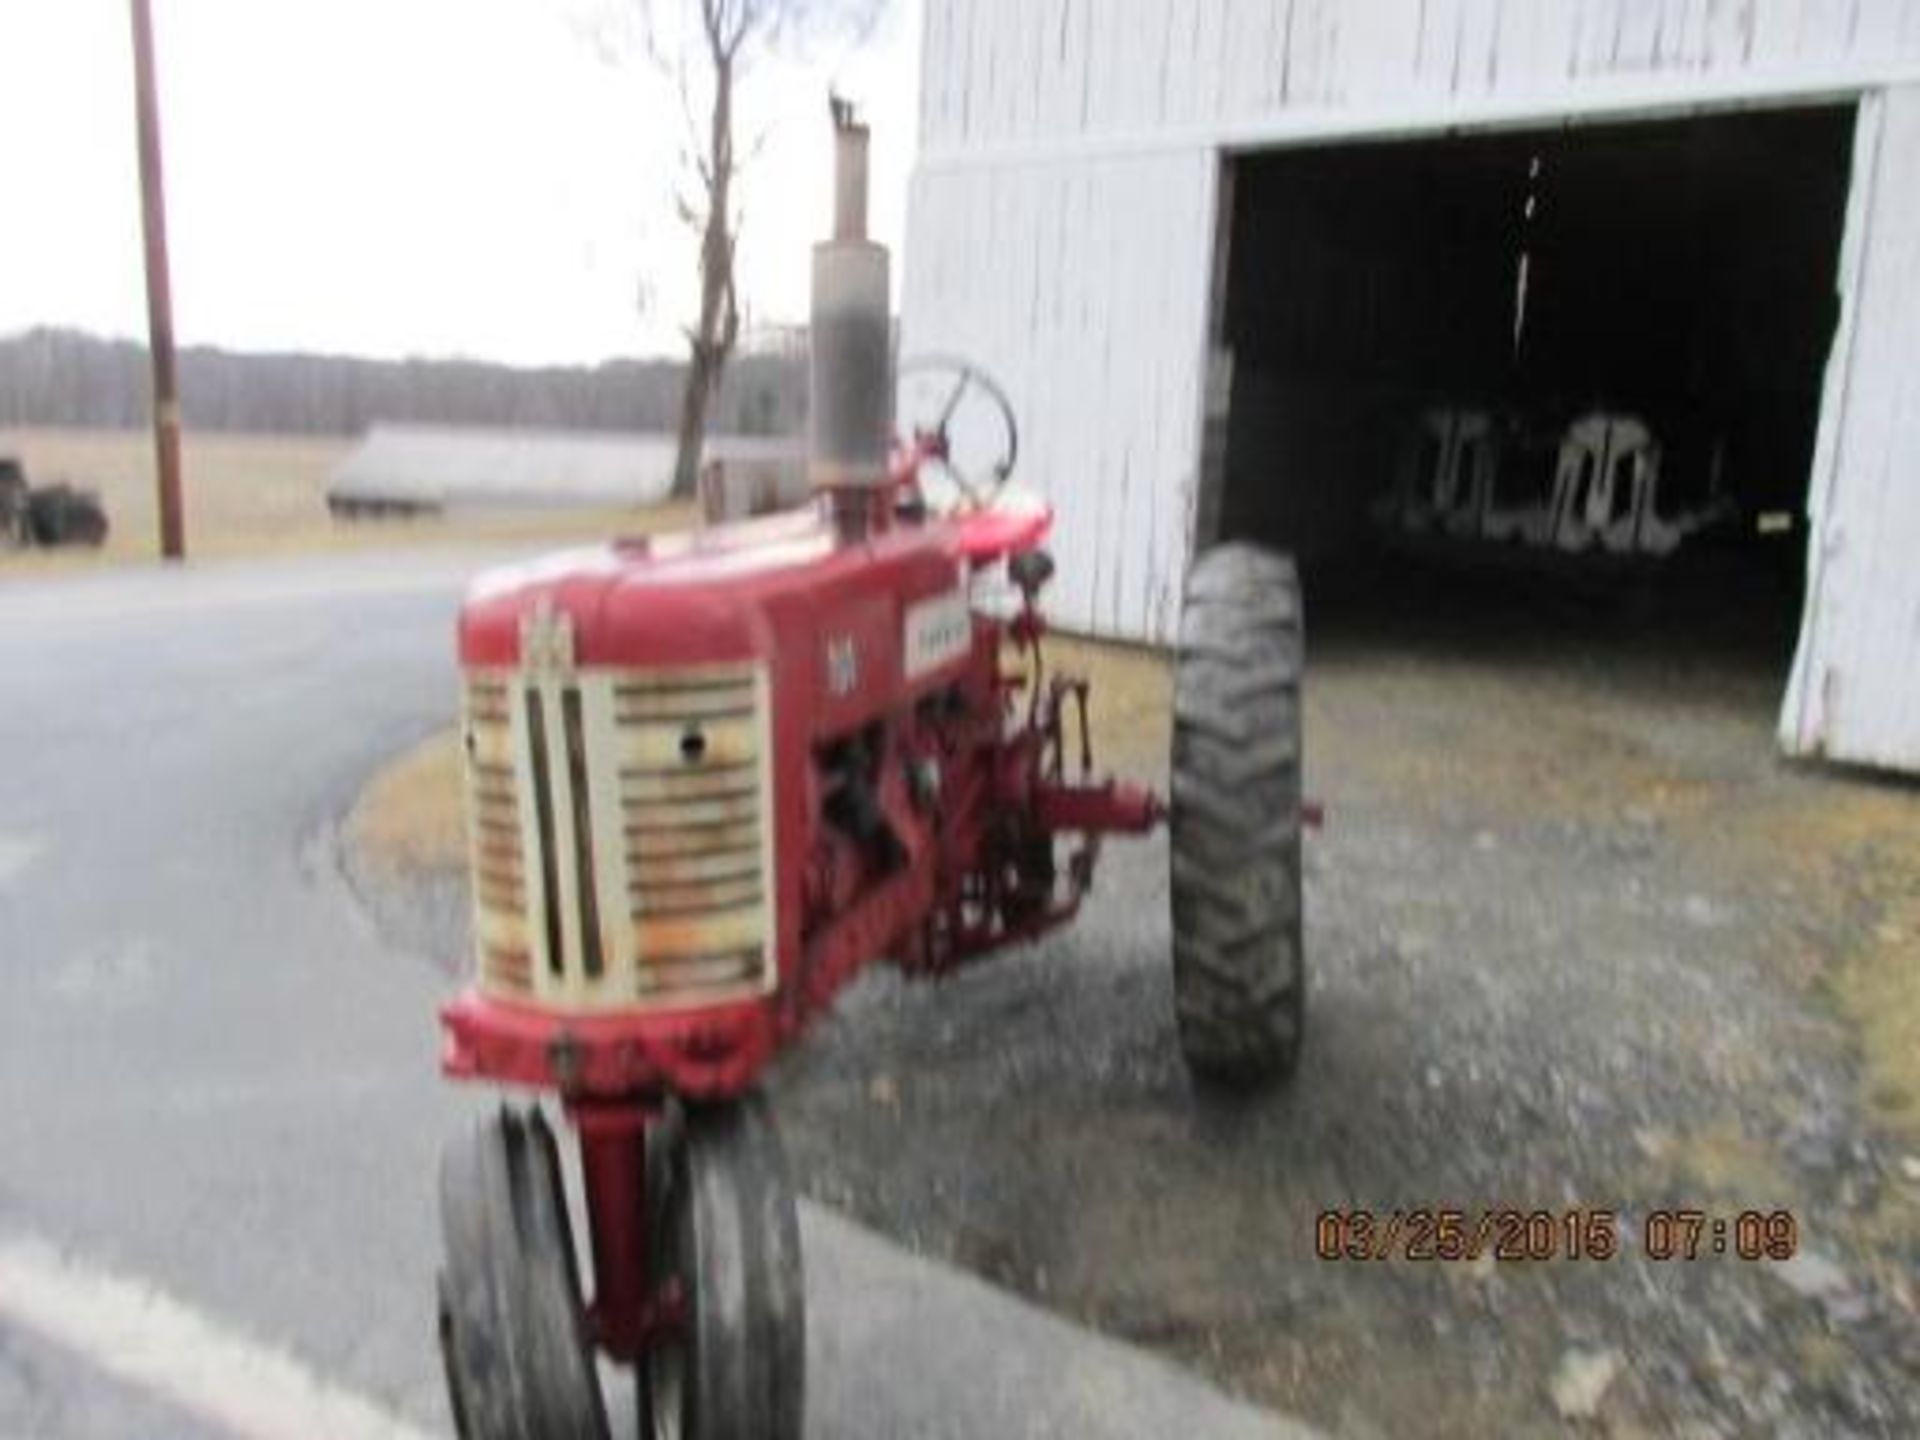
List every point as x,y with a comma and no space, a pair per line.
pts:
1855,687
1018,73
1076,285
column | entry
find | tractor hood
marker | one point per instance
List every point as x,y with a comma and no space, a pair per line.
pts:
731,592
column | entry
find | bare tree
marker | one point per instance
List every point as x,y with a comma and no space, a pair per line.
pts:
708,47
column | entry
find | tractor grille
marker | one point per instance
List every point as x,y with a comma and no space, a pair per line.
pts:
619,822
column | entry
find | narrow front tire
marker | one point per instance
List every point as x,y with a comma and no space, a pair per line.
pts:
726,1235
513,1333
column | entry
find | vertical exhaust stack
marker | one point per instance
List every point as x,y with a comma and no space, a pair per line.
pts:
850,378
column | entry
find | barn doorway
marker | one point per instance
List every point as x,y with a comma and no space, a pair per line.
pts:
1580,368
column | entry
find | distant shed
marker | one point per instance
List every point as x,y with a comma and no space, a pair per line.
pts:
417,467
1218,252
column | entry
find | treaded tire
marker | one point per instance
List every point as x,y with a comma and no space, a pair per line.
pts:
513,1333
1239,969
725,1225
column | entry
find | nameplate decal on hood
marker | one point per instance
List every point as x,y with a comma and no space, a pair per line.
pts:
938,632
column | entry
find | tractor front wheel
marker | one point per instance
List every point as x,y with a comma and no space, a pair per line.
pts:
1239,970
726,1238
513,1333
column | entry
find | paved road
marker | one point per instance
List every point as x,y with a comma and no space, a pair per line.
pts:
222,1099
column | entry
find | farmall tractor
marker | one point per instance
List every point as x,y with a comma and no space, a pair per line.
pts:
713,776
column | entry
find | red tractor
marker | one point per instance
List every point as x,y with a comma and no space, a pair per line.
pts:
713,776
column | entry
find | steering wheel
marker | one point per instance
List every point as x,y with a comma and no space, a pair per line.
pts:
979,490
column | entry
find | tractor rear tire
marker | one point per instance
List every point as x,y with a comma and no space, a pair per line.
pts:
724,1227
513,1333
1239,967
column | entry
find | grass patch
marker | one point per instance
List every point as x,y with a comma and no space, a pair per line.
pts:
1853,859
1879,988
410,821
1130,703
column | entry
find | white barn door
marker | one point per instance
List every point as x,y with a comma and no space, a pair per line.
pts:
1081,283
1854,693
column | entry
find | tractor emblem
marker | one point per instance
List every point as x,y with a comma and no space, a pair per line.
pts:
546,641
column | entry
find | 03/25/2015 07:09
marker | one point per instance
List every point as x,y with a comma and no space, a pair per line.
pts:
1453,1234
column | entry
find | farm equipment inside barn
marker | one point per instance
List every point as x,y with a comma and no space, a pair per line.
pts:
1598,487
713,776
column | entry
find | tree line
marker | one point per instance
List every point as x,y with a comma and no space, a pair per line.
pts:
55,377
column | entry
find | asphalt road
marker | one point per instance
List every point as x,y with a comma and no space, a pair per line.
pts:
222,1105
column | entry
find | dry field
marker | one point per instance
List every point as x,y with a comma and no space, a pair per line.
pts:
253,495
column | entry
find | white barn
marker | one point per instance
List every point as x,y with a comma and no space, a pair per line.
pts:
1208,244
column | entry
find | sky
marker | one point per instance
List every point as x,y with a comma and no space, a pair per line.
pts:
482,178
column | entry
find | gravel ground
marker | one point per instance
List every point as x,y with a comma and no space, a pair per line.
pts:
1577,938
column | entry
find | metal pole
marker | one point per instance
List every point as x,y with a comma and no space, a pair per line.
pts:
153,218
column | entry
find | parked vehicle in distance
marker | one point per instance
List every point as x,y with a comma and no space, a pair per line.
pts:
47,516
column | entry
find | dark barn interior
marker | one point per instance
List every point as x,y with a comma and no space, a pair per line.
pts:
1682,271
